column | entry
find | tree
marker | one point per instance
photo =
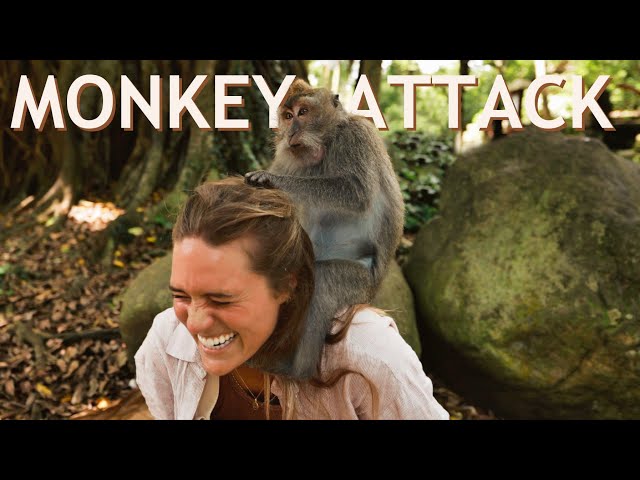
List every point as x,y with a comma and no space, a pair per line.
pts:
42,174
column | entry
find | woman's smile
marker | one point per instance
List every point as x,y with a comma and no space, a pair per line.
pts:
217,344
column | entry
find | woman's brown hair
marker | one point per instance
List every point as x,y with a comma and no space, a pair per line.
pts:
222,211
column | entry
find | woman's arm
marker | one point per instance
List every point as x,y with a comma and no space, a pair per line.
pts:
152,375
383,357
407,393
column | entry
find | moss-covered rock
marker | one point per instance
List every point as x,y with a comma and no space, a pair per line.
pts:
146,296
396,298
527,284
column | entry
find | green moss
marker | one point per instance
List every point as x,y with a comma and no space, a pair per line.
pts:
529,273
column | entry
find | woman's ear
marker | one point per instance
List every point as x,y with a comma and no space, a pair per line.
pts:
293,283
284,297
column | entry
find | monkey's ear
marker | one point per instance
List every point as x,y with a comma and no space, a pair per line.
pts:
336,100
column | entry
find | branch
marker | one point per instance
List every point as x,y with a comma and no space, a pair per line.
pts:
631,88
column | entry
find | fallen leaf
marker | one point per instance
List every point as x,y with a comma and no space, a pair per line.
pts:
62,365
455,415
136,231
73,366
93,387
44,390
25,386
151,239
30,399
118,263
122,358
112,324
10,388
76,398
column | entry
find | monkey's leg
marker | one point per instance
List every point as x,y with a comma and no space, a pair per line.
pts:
338,284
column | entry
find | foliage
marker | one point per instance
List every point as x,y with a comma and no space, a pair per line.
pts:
420,161
432,111
622,72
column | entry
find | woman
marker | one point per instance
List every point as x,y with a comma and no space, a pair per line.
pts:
242,279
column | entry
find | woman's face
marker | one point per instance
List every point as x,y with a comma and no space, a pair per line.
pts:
230,310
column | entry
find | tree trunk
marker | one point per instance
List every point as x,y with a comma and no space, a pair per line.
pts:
373,70
43,173
459,140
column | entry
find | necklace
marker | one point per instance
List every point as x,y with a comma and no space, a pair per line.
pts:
255,404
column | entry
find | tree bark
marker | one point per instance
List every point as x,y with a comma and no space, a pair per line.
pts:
127,167
459,141
373,70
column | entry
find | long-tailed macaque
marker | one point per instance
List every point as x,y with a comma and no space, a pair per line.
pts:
336,168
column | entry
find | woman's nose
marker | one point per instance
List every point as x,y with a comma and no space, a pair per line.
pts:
197,319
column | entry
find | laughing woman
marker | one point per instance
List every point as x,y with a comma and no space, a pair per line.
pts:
242,280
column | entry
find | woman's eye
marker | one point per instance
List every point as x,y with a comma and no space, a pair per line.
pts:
303,111
180,297
288,115
218,304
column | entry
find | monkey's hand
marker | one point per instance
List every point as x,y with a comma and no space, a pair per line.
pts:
260,178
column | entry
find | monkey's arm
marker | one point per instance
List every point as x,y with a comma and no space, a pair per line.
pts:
344,192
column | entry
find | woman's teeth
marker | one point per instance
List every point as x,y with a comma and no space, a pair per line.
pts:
216,342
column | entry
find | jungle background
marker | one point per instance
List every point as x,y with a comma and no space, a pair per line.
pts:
517,281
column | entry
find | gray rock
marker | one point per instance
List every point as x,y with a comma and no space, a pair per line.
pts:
396,298
146,296
527,284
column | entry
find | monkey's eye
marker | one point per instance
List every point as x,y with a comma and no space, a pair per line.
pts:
302,111
288,115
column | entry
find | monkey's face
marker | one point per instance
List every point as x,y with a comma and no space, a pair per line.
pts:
303,121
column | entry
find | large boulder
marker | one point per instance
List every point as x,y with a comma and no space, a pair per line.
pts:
396,298
527,284
148,295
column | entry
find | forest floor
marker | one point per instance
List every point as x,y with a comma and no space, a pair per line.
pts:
61,355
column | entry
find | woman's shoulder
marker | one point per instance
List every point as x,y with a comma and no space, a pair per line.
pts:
373,340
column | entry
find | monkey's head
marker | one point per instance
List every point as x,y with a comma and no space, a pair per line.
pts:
308,117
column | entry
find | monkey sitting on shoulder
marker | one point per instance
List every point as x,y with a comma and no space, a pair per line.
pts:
336,168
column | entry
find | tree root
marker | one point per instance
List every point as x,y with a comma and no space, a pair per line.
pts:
37,339
26,334
95,334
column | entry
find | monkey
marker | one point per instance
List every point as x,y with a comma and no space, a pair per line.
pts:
335,167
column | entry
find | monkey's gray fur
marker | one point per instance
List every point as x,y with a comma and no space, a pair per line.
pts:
336,168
